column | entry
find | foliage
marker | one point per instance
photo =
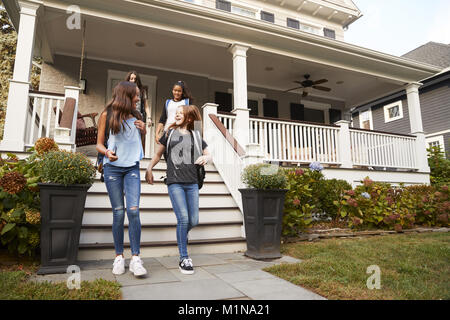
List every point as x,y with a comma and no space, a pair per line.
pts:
264,176
66,168
379,205
299,203
19,204
439,166
310,195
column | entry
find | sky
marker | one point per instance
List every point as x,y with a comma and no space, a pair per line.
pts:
399,26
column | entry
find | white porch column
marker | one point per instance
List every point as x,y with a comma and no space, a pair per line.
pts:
345,154
17,107
415,120
240,100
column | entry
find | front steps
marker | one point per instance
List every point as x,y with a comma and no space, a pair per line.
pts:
220,228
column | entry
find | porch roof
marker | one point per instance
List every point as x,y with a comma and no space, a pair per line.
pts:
205,33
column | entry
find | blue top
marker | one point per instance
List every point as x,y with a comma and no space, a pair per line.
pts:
127,144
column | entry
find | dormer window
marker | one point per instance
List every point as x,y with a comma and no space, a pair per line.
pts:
292,23
267,16
223,5
329,33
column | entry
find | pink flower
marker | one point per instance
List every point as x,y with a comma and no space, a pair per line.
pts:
299,172
367,182
445,188
296,202
351,193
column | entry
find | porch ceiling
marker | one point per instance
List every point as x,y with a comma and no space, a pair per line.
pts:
113,40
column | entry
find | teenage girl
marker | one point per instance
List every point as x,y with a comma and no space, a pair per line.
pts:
142,104
184,149
121,126
181,96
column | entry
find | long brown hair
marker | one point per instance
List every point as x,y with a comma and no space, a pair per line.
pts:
143,89
122,105
186,93
191,115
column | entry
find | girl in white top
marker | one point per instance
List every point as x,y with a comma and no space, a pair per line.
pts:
181,96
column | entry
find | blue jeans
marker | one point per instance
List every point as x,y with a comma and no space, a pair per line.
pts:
185,203
120,180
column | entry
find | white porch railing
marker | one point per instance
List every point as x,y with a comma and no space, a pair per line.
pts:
377,149
42,119
302,142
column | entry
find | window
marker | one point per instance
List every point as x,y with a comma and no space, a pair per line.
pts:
267,16
329,33
297,111
292,23
393,111
224,100
270,108
437,141
223,5
253,106
365,119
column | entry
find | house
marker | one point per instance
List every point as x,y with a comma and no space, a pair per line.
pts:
389,113
274,79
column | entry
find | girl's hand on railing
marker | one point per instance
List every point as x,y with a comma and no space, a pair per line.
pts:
149,176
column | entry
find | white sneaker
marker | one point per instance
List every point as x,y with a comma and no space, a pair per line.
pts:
119,265
136,267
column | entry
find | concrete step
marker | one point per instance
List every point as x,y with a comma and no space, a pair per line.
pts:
162,201
164,248
158,216
165,232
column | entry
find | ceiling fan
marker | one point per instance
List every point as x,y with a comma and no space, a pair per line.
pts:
305,84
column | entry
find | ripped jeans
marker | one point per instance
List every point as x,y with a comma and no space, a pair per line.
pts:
120,180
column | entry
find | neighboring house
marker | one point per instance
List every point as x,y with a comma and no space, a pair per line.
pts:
274,79
390,114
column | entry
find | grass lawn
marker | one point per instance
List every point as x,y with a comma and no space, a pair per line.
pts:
413,266
14,284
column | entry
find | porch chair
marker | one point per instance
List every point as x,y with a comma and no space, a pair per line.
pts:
84,136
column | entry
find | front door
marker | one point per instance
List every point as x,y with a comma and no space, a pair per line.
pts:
114,77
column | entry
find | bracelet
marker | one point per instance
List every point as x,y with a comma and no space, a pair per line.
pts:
106,153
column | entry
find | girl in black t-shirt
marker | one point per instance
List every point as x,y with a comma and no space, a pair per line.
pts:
185,149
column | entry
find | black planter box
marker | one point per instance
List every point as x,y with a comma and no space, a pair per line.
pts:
62,209
263,214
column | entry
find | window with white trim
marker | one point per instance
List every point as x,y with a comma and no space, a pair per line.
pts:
365,119
437,141
393,111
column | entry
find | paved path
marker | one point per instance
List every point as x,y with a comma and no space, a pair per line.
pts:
216,277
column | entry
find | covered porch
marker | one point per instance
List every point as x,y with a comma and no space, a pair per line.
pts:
243,67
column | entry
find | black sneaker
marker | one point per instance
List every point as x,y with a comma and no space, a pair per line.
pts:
186,266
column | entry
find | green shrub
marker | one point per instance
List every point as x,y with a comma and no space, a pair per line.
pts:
439,166
264,176
330,192
379,205
66,168
19,204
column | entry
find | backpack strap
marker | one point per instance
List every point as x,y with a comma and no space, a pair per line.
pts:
186,101
197,141
168,141
167,104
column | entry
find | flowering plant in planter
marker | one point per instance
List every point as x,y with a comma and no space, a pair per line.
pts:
263,203
66,168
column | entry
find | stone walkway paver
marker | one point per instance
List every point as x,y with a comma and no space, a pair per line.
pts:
216,277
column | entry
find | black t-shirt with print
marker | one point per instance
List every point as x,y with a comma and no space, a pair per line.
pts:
180,168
